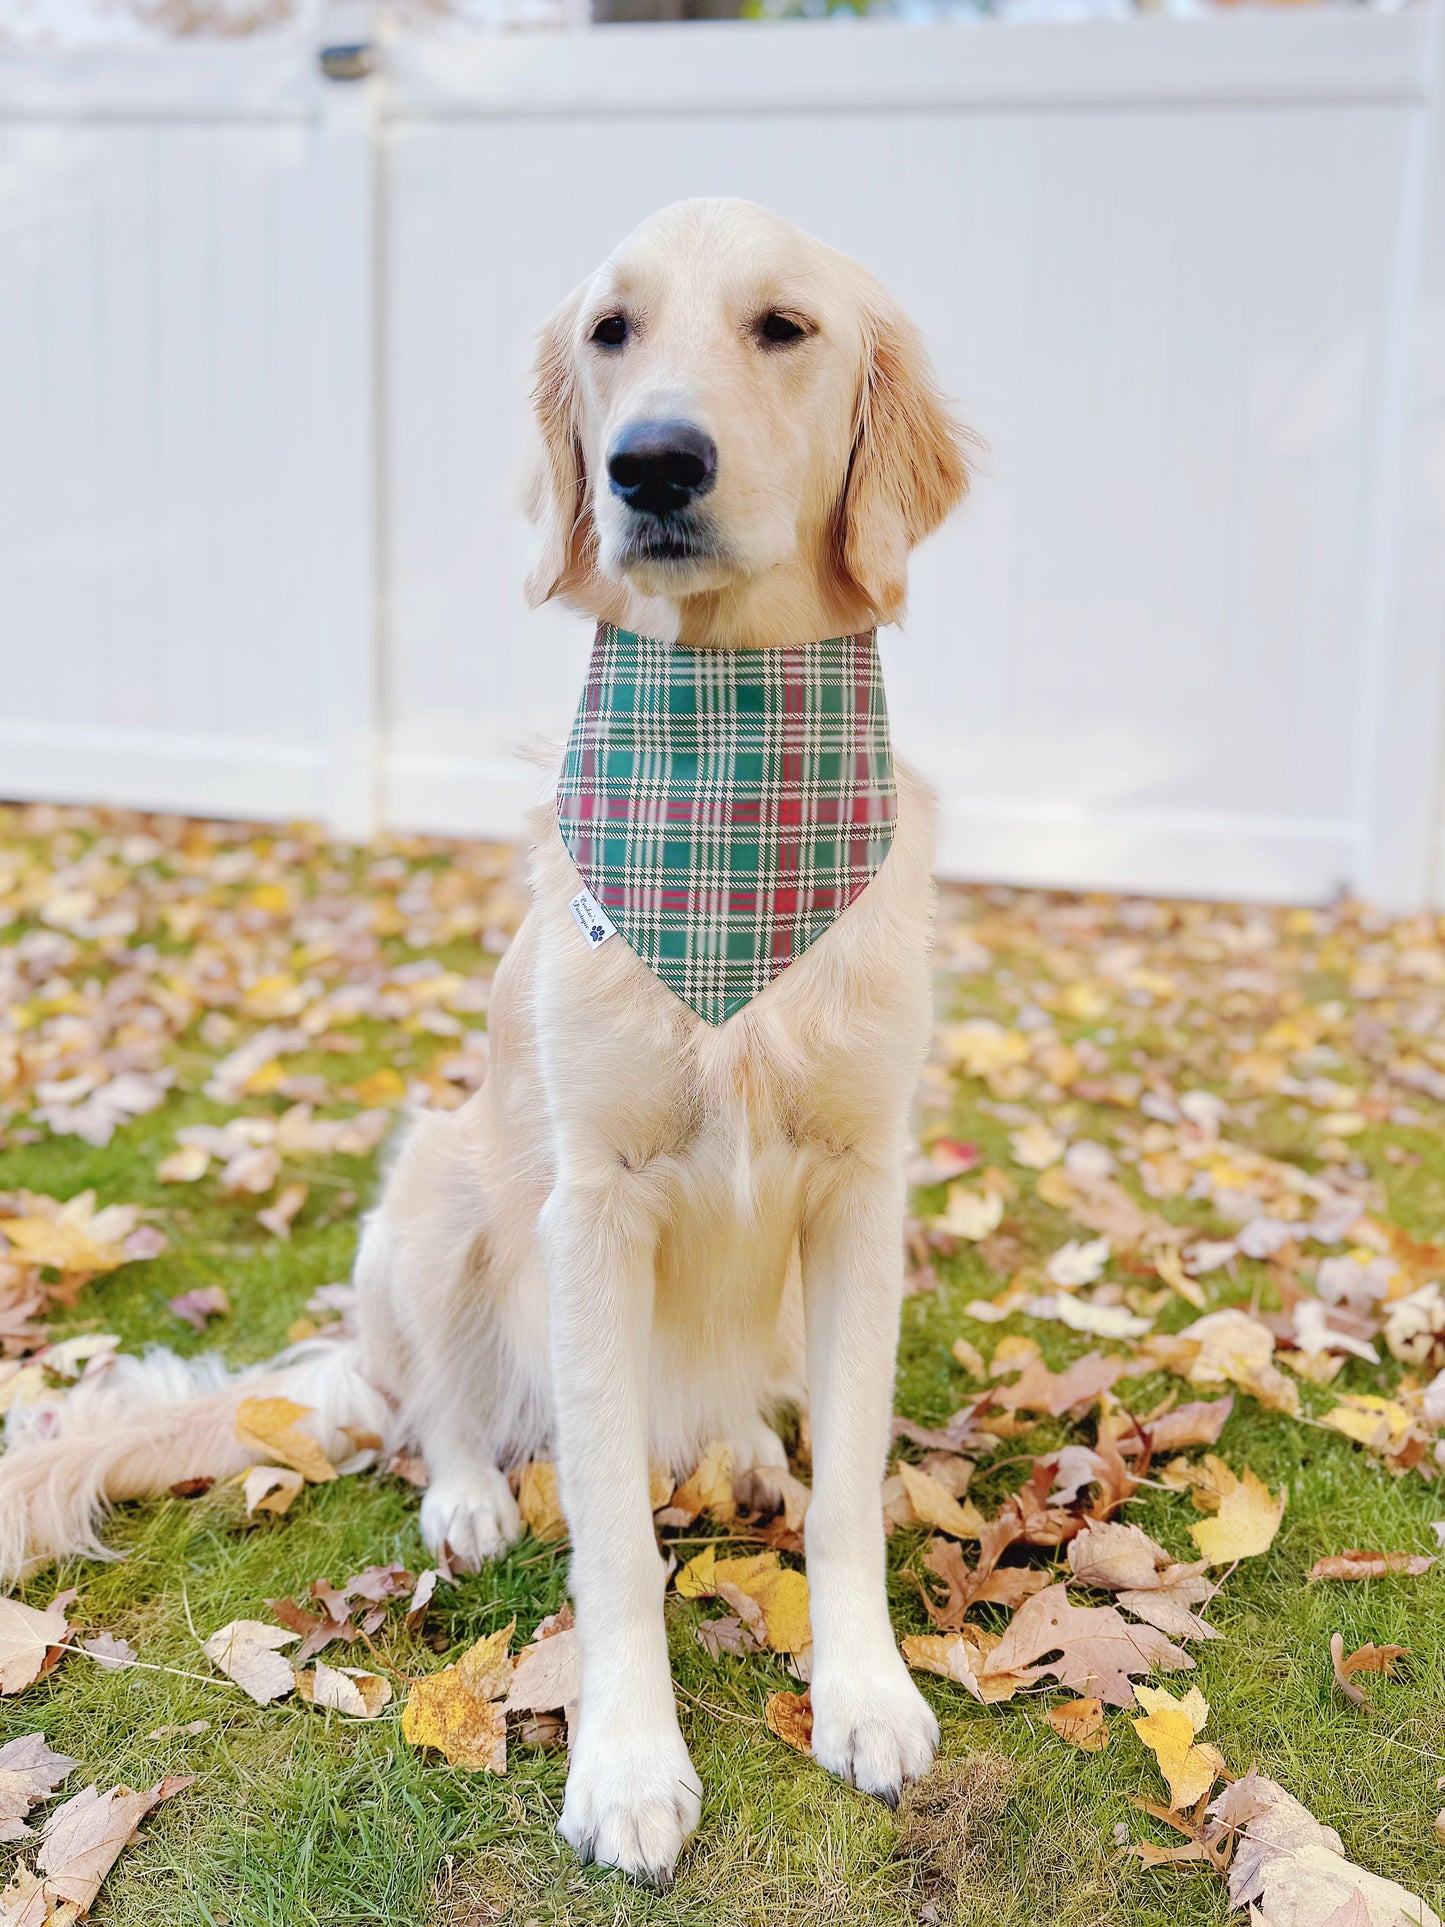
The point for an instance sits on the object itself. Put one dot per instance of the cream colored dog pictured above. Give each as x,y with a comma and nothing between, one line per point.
644,1233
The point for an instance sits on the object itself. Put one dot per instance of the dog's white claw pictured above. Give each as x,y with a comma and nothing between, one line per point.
631,1804
875,1730
472,1514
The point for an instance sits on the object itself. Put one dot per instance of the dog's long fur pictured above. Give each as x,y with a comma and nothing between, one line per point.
608,1254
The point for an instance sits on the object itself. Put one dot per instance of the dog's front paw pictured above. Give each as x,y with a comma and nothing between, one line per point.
472,1514
873,1728
631,1802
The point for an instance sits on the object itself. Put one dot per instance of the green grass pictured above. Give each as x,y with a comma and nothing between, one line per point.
300,1819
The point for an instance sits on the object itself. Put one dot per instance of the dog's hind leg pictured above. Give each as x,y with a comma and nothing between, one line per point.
444,1315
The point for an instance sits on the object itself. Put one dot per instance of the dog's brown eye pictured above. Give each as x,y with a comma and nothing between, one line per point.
611,330
778,330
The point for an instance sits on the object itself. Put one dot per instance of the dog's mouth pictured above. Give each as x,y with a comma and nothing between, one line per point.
670,541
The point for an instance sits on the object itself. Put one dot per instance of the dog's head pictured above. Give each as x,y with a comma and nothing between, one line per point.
727,400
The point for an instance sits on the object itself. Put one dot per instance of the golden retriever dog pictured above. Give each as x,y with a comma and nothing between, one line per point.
647,1231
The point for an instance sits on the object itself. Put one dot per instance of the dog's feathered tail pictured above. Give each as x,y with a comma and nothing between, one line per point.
146,1424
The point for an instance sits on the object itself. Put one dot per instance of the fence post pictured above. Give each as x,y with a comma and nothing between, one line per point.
349,650
1404,702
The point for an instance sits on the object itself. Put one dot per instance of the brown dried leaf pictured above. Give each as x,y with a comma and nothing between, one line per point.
1081,1723
1098,1650
790,1716
1364,1659
1369,1565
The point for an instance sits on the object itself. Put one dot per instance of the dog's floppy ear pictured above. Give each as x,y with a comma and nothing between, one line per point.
907,469
557,493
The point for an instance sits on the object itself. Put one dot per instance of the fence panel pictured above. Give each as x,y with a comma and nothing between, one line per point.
186,387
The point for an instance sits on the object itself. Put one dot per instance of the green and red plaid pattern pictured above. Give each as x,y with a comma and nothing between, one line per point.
725,806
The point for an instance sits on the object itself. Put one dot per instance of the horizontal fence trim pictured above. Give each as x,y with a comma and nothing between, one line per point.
1290,57
1158,853
193,775
269,78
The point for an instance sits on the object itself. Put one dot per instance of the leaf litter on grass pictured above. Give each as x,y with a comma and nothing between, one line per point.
1171,1135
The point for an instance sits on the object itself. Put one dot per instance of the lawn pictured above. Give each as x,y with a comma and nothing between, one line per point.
159,949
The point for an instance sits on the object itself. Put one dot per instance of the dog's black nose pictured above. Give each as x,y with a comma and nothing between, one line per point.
658,467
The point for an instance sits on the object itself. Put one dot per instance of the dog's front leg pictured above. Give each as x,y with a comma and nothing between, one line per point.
870,1723
632,1794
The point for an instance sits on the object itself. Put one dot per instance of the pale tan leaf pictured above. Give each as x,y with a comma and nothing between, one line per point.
247,1651
271,1488
27,1637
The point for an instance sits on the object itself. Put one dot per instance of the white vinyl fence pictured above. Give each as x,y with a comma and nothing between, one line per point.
263,366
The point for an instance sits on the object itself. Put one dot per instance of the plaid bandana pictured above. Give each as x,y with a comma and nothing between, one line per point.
725,806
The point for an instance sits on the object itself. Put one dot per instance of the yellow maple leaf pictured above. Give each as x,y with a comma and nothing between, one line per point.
934,1505
61,1245
539,1501
271,1426
1245,1521
709,1489
468,1729
981,1047
1369,1419
779,1591
386,1086
1168,1730
486,1667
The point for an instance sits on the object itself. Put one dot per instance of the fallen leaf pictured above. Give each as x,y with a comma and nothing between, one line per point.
539,1501
969,1214
1292,1872
1098,1650
107,1650
1244,1525
1168,1730
29,1772
1369,1565
344,1689
27,1640
1081,1723
1076,1263
195,1307
548,1674
1036,1147
1364,1659
790,1716
247,1651
278,1217
426,1585
963,1656
1072,1390
933,1504
271,1488
83,1840
986,1582
184,1166
709,1489
779,1592
272,1427
454,1711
